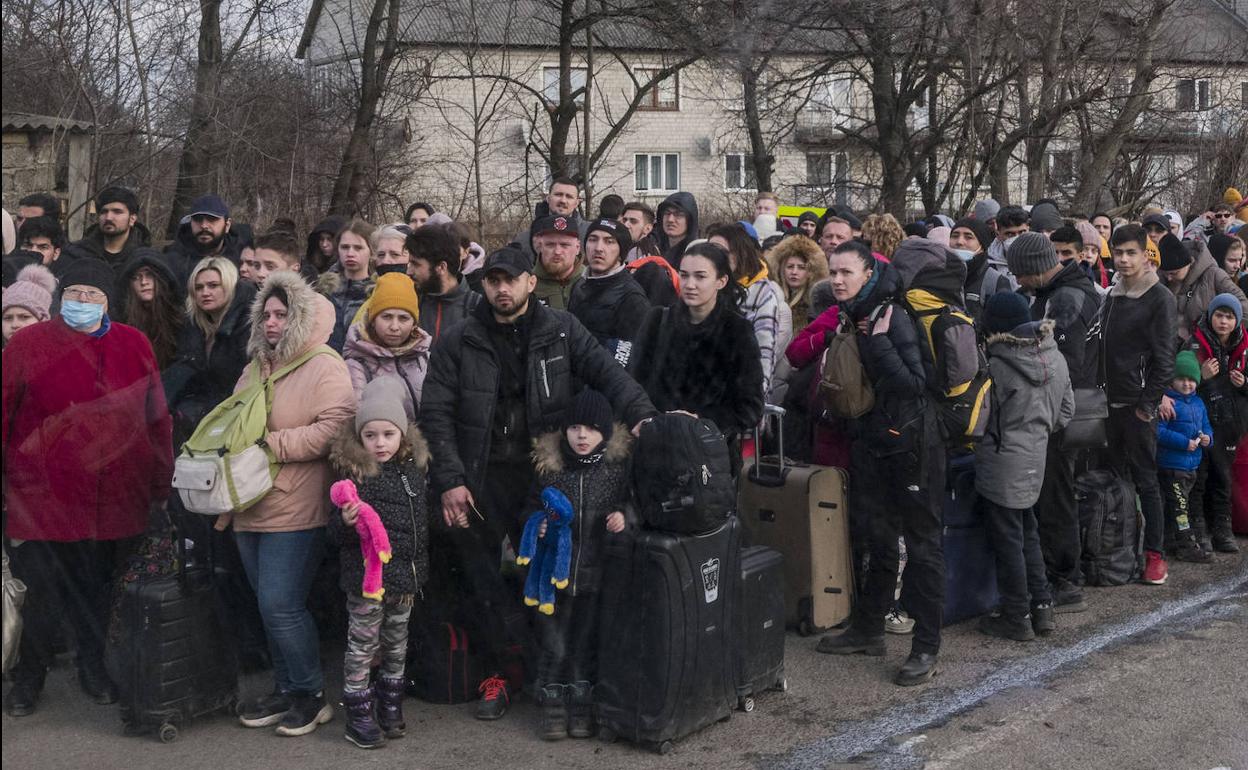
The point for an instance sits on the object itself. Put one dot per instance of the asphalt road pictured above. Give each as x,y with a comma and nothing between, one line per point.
1150,678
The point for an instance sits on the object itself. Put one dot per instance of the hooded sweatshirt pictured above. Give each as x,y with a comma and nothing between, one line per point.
93,242
1031,399
312,257
684,202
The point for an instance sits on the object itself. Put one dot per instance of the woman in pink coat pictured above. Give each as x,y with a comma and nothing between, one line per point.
387,340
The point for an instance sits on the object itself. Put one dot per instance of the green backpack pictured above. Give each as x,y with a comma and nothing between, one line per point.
225,466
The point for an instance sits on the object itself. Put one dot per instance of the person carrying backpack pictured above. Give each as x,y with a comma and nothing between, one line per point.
1031,399
281,538
897,465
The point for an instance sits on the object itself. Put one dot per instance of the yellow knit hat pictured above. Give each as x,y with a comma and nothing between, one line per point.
1154,253
1232,196
394,291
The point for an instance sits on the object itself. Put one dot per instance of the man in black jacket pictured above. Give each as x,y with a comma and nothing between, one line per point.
609,301
507,373
117,231
207,231
1065,295
678,225
433,262
1138,341
970,239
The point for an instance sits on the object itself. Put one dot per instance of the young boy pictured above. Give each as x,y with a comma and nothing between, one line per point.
1179,442
1031,399
588,462
1221,347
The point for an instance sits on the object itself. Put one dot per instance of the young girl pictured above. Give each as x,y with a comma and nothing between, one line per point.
28,300
350,281
587,461
388,340
386,456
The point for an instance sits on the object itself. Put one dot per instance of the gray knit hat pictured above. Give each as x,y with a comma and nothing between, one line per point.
986,210
385,398
1031,254
1044,218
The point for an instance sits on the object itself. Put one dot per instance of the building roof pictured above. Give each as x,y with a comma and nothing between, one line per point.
24,121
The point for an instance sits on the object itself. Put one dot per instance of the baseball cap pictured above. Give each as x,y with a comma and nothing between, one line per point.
553,224
209,205
510,259
1161,220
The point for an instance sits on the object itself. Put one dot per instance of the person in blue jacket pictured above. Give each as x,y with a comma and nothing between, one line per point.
1179,443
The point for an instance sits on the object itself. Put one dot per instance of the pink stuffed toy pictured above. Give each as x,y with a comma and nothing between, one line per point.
374,542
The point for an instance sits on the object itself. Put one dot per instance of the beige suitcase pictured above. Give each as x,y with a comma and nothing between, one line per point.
801,511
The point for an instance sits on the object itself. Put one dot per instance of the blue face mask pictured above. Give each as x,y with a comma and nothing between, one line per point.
964,254
82,316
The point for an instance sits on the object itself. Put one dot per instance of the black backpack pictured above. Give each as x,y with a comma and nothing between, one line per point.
1111,529
682,475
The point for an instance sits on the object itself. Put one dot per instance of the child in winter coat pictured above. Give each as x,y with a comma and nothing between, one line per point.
1179,442
388,340
1221,347
385,455
1031,399
588,462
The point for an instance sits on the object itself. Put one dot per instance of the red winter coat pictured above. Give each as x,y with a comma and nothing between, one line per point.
87,436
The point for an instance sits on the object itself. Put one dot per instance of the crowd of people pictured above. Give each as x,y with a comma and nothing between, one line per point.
452,386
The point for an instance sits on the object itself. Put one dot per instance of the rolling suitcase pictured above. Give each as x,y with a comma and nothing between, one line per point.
667,652
173,659
760,625
1239,489
970,566
801,511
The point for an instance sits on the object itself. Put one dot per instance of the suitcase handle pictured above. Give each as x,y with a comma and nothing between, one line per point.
775,473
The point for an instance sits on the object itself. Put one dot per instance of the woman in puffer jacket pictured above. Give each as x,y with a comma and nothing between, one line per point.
764,306
388,340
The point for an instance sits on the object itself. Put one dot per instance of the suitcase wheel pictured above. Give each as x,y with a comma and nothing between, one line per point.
746,704
805,627
168,733
606,735
664,748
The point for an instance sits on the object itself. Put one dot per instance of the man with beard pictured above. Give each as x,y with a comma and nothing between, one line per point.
609,301
561,201
205,232
117,231
434,266
559,265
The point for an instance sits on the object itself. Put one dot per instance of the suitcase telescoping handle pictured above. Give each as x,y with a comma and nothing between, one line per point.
769,473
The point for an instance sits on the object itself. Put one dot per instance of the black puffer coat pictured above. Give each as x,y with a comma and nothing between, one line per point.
93,242
396,490
896,368
462,388
198,380
612,308
1072,303
182,255
711,369
596,490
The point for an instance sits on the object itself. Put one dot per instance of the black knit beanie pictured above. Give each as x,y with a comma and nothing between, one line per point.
591,408
1174,255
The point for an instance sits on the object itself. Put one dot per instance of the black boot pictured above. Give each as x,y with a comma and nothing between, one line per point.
21,700
1004,626
851,641
362,727
1042,621
95,682
390,706
1223,536
1068,597
581,709
920,667
554,725
1187,548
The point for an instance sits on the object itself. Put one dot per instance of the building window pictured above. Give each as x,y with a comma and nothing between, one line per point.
1193,94
819,169
827,177
831,93
664,95
550,84
739,172
656,172
1062,167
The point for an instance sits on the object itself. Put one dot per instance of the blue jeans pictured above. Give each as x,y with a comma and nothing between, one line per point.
280,567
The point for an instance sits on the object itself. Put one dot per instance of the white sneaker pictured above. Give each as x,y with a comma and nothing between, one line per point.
898,622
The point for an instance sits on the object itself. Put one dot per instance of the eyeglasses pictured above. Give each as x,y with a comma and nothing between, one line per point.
83,294
1222,215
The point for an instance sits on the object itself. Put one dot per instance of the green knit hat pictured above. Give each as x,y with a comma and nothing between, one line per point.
1185,365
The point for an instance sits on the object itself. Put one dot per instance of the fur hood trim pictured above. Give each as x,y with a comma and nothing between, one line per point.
309,321
1044,330
348,457
548,456
327,283
798,246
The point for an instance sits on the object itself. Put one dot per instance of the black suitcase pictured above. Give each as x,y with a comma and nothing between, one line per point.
760,625
667,655
970,565
173,659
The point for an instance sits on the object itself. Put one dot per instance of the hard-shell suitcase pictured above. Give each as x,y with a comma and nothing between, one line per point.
173,660
667,652
801,511
970,566
760,625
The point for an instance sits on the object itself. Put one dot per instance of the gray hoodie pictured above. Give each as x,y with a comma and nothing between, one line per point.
1031,399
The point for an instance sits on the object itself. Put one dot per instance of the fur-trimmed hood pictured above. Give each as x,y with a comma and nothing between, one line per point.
804,248
349,458
548,454
1028,349
309,321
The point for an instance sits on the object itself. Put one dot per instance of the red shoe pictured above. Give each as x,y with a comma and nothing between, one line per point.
1155,570
495,698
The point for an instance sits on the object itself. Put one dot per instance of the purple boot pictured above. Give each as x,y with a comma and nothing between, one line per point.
362,729
390,706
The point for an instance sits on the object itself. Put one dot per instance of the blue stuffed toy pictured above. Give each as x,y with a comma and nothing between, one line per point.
550,555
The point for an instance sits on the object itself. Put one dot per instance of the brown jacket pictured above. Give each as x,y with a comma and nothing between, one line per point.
1204,281
310,406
